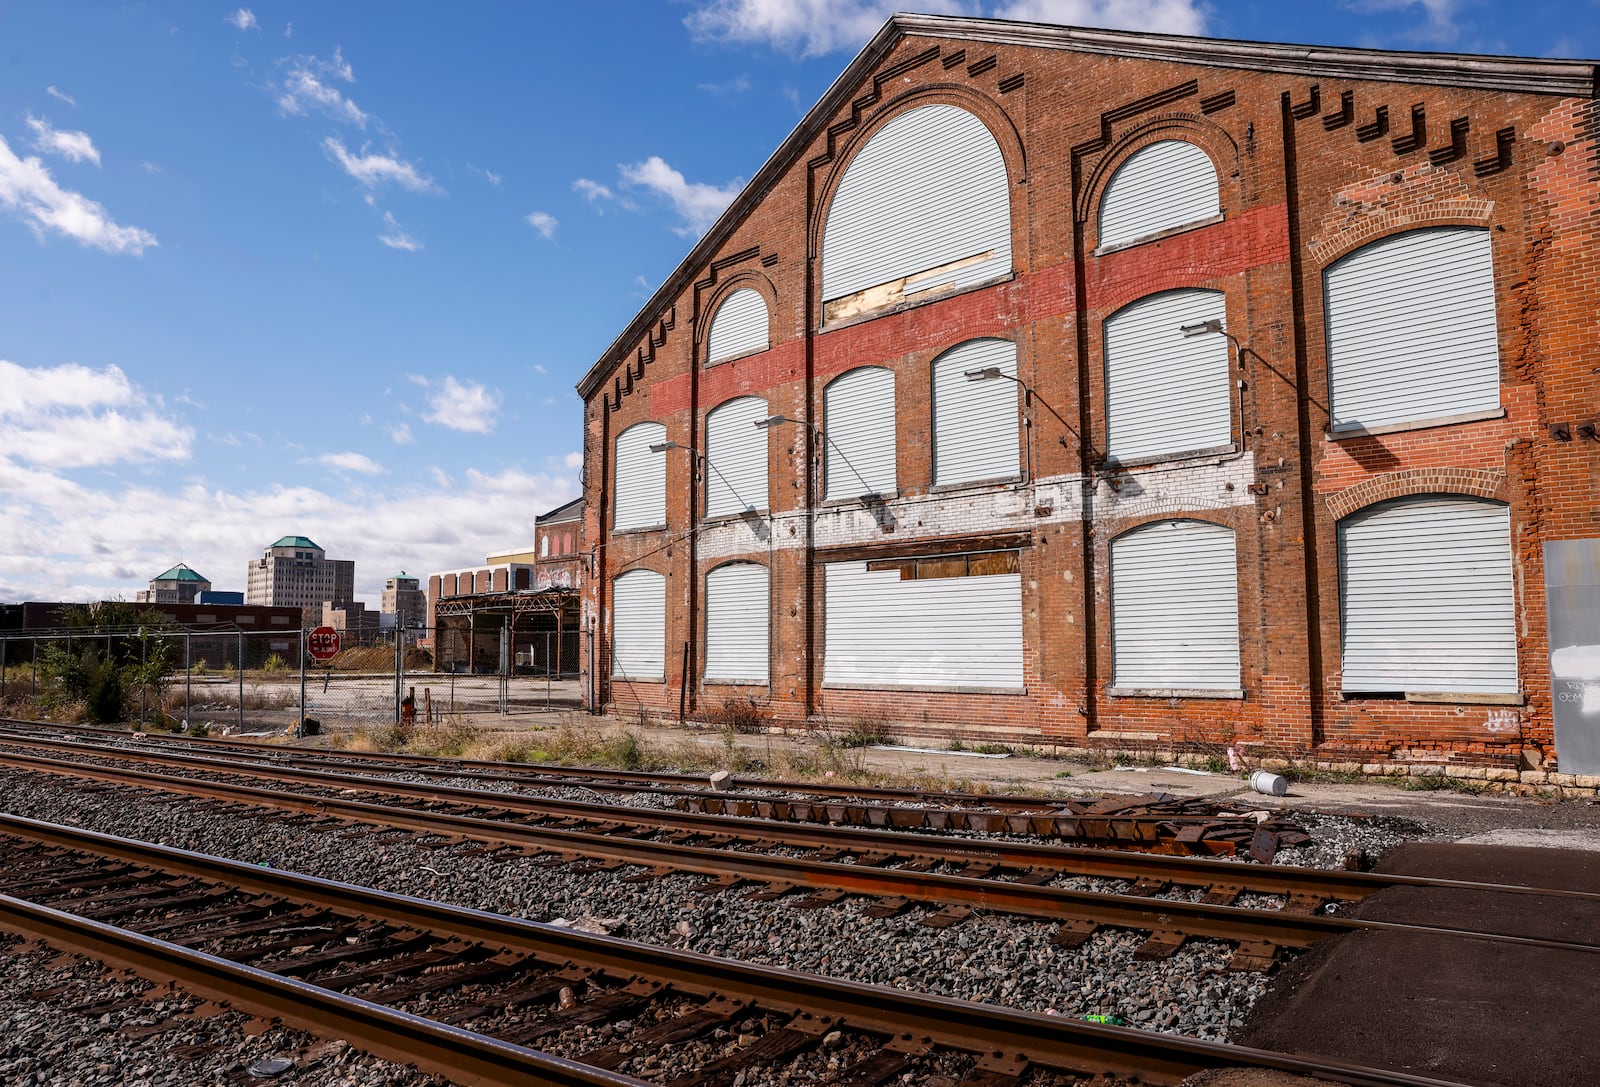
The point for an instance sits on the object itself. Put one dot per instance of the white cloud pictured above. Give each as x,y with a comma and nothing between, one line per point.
538,369
374,170
149,167
573,459
696,203
545,224
736,85
243,19
63,95
1439,25
351,462
29,192
76,146
305,88
71,416
288,29
395,238
400,434
592,190
460,405
1161,16
488,175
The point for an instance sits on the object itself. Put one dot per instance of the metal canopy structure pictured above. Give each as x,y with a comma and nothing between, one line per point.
537,602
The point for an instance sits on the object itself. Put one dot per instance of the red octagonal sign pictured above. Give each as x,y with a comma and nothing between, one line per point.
323,643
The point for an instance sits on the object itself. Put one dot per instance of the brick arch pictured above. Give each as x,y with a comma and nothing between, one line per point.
712,302
1155,517
998,122
1477,482
1190,128
1399,219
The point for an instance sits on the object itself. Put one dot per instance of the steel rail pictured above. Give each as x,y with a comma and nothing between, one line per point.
1190,919
1023,1037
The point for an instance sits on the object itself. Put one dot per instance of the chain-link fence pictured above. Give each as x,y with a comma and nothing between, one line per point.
254,682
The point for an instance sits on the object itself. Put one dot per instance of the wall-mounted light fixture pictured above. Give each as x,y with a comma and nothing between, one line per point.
779,420
1214,327
991,373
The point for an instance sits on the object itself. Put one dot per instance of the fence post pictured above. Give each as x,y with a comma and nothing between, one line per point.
399,663
33,683
505,664
3,643
241,681
188,676
301,727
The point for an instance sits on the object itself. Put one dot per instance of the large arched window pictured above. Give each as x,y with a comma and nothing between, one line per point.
925,204
739,327
1412,333
1161,187
640,499
1167,391
736,457
738,619
1175,607
1428,598
859,429
639,626
975,412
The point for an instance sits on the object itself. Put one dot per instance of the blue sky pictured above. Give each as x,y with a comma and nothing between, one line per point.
334,269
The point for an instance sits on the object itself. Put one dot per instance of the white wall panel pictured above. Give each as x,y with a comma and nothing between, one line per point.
939,632
1428,597
1160,187
1175,607
975,422
639,625
1166,392
740,327
1412,332
928,189
859,424
640,491
736,457
738,623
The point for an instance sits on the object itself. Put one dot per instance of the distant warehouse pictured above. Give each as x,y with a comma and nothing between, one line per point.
1116,389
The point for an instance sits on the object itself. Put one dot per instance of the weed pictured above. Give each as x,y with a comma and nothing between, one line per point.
742,715
994,749
1064,774
276,663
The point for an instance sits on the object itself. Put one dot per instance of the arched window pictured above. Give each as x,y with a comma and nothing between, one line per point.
544,547
974,414
1160,187
925,204
859,421
736,457
640,499
1427,597
738,619
639,625
1175,607
739,327
1412,333
1167,392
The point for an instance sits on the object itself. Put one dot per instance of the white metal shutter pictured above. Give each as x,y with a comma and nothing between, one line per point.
640,494
737,623
739,327
639,625
1411,329
928,189
1175,607
1159,187
859,429
1166,392
1428,598
736,457
975,422
939,632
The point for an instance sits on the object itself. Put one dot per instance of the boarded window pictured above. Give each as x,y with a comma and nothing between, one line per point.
1159,188
924,205
739,327
859,433
641,478
1412,333
1167,392
737,624
975,421
884,630
736,457
977,564
1175,607
639,625
1428,598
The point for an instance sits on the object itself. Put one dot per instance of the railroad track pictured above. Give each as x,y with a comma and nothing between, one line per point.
1171,899
361,964
1158,823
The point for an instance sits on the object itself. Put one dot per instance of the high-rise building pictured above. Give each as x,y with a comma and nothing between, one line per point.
404,601
295,572
179,585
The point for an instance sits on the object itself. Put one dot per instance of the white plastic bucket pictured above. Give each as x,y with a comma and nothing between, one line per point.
1268,783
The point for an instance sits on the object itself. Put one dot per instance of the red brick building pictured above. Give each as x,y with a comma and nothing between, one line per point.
1099,388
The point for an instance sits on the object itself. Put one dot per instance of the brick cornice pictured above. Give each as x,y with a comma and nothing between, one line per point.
1479,482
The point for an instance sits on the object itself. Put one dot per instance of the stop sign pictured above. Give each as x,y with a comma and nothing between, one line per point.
323,643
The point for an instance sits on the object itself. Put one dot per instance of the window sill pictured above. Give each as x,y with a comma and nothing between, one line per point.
933,295
709,682
1117,247
638,679
866,501
662,527
1113,463
975,484
1340,433
737,358
710,521
1445,698
923,687
1235,694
